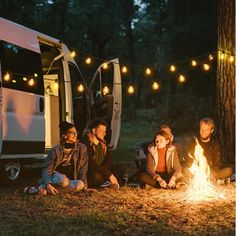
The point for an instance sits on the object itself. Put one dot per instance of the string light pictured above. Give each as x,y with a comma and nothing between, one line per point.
35,75
124,69
130,89
14,81
194,63
24,79
155,86
7,77
148,71
211,57
105,65
88,60
31,82
73,54
80,88
181,79
105,90
206,67
172,68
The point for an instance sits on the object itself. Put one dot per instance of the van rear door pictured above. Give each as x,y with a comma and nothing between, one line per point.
105,99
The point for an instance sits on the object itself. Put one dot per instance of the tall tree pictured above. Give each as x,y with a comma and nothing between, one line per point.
226,78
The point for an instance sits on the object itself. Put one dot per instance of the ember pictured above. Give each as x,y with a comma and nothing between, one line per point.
200,188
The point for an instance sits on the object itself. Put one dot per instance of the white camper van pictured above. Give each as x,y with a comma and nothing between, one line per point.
41,85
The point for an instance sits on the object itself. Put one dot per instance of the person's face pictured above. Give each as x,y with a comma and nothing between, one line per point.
161,142
205,131
100,132
168,131
71,135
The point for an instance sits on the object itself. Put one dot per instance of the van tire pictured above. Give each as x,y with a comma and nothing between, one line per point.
11,171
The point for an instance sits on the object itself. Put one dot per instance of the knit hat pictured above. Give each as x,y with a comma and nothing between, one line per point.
65,126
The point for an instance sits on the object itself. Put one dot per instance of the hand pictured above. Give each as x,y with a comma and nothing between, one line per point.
172,183
113,179
162,182
51,189
42,191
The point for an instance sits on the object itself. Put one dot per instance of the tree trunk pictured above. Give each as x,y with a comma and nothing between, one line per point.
225,80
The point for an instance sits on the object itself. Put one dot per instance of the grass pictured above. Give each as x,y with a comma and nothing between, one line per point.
128,211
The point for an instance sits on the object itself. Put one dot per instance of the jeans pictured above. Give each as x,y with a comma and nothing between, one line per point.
60,180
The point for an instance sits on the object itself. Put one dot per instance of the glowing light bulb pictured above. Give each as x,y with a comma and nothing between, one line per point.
130,89
31,82
194,63
105,90
206,67
24,79
172,68
105,65
211,57
182,79
88,60
148,71
7,77
73,54
155,86
14,81
124,69
35,75
81,88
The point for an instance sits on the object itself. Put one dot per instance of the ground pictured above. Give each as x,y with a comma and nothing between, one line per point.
127,211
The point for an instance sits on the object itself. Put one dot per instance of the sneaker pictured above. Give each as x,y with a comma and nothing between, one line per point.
31,190
108,184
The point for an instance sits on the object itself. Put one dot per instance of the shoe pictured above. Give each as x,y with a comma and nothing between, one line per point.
108,184
31,190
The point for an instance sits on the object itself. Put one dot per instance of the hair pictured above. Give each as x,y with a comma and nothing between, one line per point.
65,126
164,134
95,123
163,126
208,121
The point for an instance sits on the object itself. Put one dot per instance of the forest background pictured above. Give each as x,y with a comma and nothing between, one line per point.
142,33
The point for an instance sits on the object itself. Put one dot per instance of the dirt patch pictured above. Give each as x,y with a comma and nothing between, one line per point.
128,211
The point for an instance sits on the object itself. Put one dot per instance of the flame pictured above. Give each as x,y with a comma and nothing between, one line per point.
200,188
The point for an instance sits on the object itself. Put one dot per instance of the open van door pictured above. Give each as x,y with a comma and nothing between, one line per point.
105,99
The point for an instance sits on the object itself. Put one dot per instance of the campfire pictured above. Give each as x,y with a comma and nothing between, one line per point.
200,188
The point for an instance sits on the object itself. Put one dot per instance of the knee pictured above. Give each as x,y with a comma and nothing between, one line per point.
65,182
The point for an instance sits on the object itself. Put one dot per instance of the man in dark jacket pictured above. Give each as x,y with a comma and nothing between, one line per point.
101,171
211,150
66,163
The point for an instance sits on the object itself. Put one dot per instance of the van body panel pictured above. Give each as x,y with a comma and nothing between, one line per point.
29,118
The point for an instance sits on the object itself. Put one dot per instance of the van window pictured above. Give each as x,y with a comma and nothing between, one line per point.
21,68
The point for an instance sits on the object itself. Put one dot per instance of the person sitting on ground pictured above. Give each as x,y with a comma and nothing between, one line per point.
163,167
211,150
66,163
101,171
141,148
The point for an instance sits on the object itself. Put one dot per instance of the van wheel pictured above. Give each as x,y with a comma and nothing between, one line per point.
11,171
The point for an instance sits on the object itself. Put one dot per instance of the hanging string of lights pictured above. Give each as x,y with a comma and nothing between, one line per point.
201,61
